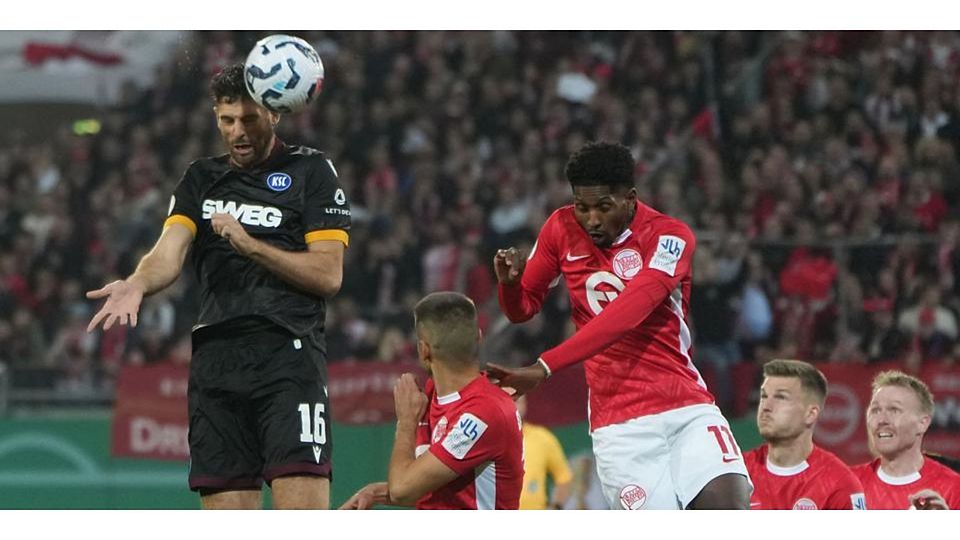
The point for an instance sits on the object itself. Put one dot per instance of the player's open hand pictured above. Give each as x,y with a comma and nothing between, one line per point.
928,499
522,380
123,303
232,231
368,496
410,403
508,264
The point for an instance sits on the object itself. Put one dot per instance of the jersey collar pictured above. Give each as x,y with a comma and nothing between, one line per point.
787,471
448,399
897,480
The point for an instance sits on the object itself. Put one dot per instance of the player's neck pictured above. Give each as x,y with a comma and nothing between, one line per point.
907,462
792,452
448,380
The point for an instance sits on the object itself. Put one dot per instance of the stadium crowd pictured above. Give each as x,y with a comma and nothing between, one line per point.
819,171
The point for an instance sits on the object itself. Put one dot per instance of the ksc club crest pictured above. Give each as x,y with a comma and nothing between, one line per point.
627,263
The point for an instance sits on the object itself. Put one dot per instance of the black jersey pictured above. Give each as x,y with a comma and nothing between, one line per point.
289,201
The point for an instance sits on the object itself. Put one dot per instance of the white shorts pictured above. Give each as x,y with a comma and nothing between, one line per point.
662,461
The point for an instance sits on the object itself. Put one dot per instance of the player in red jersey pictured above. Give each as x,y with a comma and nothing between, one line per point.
459,446
627,268
898,416
789,472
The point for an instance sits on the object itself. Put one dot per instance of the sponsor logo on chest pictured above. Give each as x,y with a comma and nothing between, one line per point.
248,214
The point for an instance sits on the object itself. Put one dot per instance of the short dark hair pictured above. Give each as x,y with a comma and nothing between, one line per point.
228,85
811,379
601,163
448,321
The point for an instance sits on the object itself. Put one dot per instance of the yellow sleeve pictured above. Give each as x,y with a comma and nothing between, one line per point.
328,234
556,460
182,220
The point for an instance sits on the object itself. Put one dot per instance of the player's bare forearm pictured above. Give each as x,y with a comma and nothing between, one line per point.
161,266
318,270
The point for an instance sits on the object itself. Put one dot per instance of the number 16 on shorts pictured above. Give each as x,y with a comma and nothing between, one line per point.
315,432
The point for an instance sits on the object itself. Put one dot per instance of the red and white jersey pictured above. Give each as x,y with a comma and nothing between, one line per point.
821,482
885,492
629,303
476,432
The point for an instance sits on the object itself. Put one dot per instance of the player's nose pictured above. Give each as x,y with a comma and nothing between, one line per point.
593,220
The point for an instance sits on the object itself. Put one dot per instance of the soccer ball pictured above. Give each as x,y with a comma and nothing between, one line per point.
283,73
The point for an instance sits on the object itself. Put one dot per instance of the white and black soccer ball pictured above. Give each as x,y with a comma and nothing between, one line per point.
283,73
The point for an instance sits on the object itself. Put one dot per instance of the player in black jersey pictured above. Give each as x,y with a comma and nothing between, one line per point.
268,226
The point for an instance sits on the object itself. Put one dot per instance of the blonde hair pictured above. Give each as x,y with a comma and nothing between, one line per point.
901,379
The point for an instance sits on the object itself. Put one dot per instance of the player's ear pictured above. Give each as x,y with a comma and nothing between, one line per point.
924,423
423,350
813,414
274,118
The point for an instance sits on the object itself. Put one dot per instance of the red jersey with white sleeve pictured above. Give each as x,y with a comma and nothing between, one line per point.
885,492
821,482
629,303
476,432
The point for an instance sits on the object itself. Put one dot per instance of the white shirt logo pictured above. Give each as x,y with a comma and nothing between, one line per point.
464,435
339,197
669,250
248,214
594,293
572,258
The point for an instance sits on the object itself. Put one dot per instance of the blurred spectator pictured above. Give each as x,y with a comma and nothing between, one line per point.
714,301
931,326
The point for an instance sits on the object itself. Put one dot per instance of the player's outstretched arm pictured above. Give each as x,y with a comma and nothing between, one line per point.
319,270
522,379
156,271
928,499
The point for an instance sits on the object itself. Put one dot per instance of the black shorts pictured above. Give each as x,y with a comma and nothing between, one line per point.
258,409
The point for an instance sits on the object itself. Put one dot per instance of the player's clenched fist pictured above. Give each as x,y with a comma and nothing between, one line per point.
232,231
409,401
508,264
928,499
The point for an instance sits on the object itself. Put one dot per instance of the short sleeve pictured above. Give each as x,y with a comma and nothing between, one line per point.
185,201
326,213
475,438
